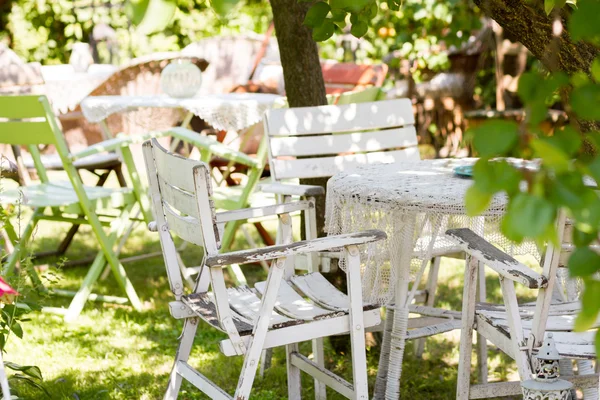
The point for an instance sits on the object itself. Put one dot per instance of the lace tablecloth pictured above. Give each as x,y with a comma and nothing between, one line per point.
228,112
66,88
414,203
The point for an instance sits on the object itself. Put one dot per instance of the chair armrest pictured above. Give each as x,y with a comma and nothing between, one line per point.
292,190
302,247
256,212
118,142
496,259
215,147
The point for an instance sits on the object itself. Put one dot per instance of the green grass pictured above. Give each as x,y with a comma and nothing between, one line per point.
113,352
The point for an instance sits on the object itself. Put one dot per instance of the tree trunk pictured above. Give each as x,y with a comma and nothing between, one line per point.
527,22
304,85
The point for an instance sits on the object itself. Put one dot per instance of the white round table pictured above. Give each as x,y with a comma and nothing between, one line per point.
227,112
414,203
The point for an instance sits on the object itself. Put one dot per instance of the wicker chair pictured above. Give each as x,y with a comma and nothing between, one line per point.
140,77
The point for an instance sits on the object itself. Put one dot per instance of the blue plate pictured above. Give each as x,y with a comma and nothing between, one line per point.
465,171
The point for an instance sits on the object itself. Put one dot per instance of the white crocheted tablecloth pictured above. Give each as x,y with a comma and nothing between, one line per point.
66,88
228,112
414,203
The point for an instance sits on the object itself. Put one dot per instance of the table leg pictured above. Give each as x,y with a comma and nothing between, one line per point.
384,357
401,245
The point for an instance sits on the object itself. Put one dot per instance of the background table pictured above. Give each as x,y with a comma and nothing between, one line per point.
414,203
66,88
228,112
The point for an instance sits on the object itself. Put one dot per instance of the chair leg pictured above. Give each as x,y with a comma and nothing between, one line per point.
466,335
294,378
85,289
319,359
183,354
482,365
586,367
434,270
357,327
261,328
265,361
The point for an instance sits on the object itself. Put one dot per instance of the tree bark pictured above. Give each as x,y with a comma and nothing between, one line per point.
304,85
527,22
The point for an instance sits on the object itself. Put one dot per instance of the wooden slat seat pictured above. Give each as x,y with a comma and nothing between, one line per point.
245,306
570,344
59,194
290,303
52,162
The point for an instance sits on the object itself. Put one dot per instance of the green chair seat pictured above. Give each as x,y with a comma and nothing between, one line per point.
61,194
52,162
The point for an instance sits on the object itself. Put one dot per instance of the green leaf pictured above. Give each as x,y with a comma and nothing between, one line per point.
527,216
594,168
224,7
551,155
496,176
581,238
359,29
324,31
29,381
548,6
354,6
584,262
588,215
583,24
29,370
590,305
150,16
17,330
566,190
315,16
476,201
338,15
568,139
495,138
585,100
595,69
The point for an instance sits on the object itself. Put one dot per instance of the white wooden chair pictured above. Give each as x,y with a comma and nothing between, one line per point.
318,142
274,313
518,330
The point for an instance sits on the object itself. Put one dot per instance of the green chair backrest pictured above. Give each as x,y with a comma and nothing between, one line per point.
29,121
373,93
367,95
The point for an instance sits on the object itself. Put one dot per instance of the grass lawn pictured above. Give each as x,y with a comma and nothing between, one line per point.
113,352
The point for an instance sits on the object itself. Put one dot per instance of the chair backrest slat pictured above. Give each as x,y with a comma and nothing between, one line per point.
344,143
337,119
317,142
178,199
26,133
186,227
329,166
173,170
21,107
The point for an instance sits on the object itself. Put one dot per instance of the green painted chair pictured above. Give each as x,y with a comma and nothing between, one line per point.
29,121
